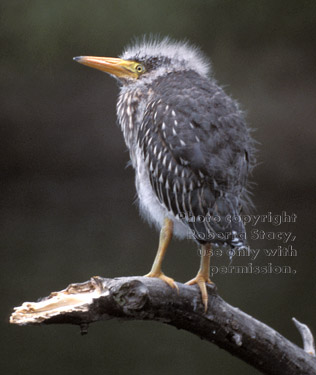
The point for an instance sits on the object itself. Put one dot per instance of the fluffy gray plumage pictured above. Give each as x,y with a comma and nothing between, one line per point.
188,142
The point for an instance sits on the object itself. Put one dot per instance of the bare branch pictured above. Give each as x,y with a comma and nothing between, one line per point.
307,336
145,298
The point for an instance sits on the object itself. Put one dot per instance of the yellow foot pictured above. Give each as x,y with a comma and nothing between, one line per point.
201,282
163,277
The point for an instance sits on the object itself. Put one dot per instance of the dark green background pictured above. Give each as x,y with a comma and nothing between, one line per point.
67,209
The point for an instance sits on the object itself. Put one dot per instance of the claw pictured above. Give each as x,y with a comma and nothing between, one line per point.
201,282
203,276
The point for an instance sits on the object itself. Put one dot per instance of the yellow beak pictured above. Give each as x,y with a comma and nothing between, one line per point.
118,67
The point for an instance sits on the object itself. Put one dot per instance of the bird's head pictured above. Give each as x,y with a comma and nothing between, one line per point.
149,59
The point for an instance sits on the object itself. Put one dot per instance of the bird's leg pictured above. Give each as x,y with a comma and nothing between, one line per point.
164,240
203,276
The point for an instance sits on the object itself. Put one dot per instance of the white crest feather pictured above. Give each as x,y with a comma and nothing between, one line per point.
182,55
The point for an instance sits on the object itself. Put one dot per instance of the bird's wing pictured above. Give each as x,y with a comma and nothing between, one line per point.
194,167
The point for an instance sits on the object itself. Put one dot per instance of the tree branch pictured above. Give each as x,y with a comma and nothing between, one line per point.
307,337
145,298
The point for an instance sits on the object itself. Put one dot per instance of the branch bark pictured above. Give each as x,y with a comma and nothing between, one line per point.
145,298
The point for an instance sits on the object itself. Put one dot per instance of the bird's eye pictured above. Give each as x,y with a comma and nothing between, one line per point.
140,68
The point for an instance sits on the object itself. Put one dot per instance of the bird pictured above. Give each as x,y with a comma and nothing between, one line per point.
189,145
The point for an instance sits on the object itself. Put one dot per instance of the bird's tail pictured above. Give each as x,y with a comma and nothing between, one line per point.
228,209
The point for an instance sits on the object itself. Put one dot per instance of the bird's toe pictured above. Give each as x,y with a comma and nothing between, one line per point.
164,278
201,281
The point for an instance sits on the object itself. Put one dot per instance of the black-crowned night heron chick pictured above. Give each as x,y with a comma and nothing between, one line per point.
189,146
